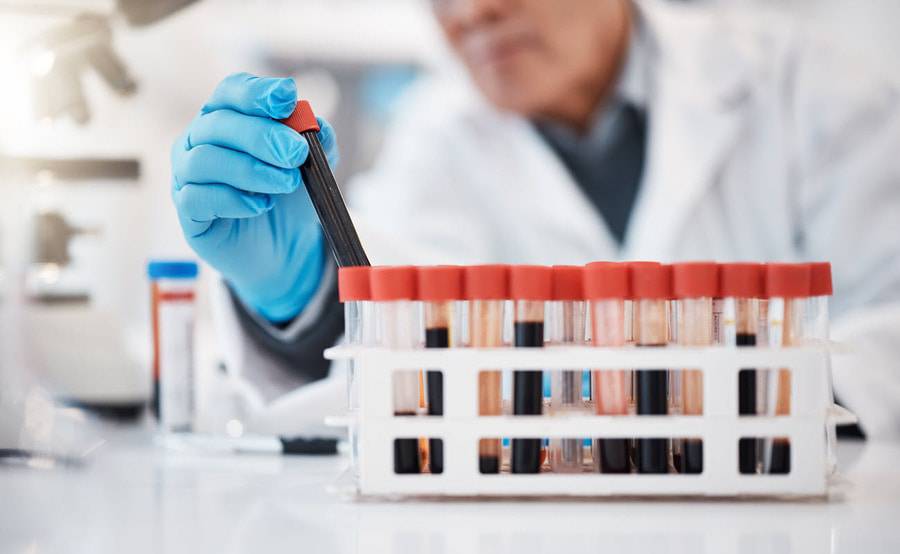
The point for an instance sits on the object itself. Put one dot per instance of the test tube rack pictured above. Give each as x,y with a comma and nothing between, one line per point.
720,426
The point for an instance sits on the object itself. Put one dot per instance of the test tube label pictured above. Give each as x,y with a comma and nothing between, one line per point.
176,368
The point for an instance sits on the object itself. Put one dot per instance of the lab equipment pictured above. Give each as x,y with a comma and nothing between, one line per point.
787,288
651,288
394,291
713,424
239,195
741,286
568,326
324,192
486,289
440,289
606,285
355,292
172,286
529,286
695,285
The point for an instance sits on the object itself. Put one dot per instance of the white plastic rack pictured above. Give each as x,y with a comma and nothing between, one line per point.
720,427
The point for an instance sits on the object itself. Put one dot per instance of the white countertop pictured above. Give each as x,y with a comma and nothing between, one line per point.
136,497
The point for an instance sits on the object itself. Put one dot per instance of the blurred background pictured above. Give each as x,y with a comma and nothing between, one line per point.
93,94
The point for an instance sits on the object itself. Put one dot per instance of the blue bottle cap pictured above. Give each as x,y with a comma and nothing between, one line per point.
172,269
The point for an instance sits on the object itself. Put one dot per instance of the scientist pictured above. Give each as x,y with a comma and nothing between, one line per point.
586,130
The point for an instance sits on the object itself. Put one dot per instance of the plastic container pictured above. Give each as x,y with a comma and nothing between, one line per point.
173,287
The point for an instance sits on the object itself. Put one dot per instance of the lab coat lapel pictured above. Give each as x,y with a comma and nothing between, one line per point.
696,107
559,204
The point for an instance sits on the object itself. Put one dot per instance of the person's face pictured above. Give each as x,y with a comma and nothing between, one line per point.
530,56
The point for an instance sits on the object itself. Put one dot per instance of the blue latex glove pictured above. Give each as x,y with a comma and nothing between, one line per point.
240,198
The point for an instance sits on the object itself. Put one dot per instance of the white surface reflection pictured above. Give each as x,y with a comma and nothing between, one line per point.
139,498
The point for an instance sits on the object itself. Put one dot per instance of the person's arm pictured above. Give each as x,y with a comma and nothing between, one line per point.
848,166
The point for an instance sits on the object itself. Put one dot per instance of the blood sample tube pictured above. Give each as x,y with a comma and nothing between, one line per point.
606,286
651,288
355,292
741,286
820,288
440,289
787,287
530,286
324,192
399,326
486,289
567,327
172,285
695,285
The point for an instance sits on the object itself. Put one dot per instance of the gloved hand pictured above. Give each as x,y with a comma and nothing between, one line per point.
240,198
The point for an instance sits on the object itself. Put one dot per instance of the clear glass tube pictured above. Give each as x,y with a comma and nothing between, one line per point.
785,328
486,331
528,387
567,328
740,328
400,326
817,323
611,387
651,385
695,328
355,321
441,331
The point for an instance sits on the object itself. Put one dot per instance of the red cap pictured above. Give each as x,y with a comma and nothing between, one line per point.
606,280
302,119
440,283
820,279
568,282
353,283
531,282
486,282
393,283
695,279
742,280
650,280
787,280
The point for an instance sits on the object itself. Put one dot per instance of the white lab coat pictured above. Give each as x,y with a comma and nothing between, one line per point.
762,145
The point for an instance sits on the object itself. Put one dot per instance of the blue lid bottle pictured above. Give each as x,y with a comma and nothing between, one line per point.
172,269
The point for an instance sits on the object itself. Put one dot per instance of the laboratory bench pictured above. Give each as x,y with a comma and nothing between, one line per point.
131,495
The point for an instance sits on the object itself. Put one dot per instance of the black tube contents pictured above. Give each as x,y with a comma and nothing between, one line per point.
691,456
652,385
528,399
613,454
748,448
406,454
488,464
436,338
781,457
330,206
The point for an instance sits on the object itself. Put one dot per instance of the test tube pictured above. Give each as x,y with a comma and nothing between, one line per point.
568,327
820,289
787,287
172,285
487,289
530,286
606,285
399,326
695,284
742,285
651,288
440,289
355,292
